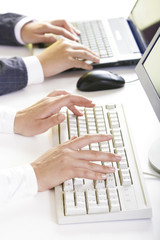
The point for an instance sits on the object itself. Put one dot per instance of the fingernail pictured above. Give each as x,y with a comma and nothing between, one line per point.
109,136
97,59
111,169
76,38
78,31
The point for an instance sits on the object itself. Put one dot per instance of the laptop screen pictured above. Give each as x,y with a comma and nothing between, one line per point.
145,18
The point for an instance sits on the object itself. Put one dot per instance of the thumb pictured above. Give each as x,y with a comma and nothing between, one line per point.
52,121
48,38
56,119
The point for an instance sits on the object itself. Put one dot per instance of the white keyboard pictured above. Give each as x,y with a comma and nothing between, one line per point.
122,195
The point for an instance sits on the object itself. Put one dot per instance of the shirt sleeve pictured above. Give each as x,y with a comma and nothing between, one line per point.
18,27
34,70
33,66
7,116
17,183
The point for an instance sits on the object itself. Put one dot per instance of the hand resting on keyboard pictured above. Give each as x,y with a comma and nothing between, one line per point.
66,161
45,114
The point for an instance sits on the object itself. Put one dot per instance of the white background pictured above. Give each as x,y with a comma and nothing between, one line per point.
69,9
35,218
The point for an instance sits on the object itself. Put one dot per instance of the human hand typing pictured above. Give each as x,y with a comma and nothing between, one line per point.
65,54
43,32
66,161
45,114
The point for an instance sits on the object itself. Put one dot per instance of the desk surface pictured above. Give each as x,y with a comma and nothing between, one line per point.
35,218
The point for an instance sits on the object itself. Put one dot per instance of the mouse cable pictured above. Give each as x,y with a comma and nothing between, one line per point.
152,174
135,80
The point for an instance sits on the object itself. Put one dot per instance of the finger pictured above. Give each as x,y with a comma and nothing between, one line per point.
73,30
47,38
65,24
58,92
85,54
51,106
88,174
75,111
78,46
51,121
81,64
95,167
74,137
62,31
76,30
70,28
70,100
90,155
88,139
68,141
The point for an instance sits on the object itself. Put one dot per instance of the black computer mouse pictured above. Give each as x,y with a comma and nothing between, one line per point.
99,80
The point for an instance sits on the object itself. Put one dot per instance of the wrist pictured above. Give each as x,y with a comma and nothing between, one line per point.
43,63
22,124
18,28
17,123
39,175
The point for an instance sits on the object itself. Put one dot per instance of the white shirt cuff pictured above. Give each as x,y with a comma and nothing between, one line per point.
18,27
17,183
34,70
7,116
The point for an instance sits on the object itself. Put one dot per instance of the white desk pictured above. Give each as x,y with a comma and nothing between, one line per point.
35,218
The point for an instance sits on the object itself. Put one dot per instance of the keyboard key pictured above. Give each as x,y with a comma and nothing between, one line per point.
70,207
113,200
125,177
110,181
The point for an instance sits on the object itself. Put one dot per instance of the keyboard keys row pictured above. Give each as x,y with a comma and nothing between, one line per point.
94,37
91,201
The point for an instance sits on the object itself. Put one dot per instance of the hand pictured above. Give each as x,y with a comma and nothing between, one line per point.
66,161
45,114
63,55
42,32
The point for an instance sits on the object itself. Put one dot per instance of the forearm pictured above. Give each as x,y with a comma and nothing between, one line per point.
17,73
7,31
13,75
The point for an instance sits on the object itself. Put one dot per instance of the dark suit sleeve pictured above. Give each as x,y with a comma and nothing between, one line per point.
7,24
13,75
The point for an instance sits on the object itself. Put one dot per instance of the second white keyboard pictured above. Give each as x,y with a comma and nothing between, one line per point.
122,195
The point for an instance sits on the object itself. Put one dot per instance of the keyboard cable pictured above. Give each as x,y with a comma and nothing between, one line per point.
152,174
